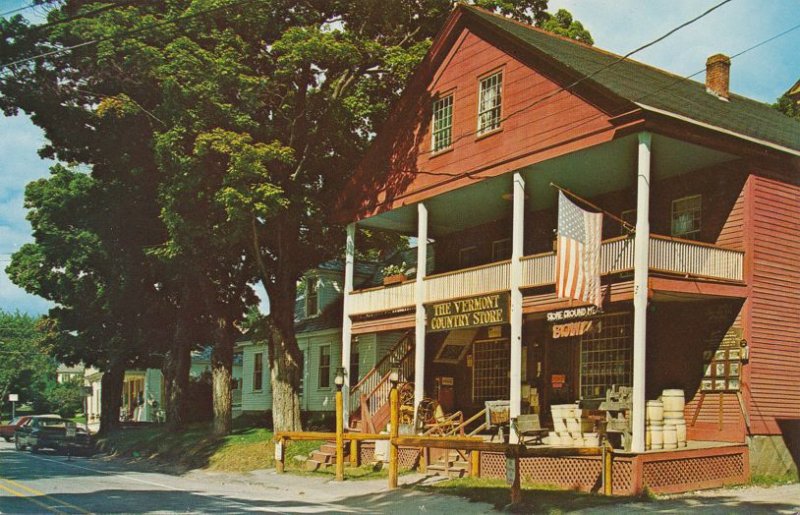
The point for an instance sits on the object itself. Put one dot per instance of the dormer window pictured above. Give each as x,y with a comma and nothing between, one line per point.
490,103
312,297
442,123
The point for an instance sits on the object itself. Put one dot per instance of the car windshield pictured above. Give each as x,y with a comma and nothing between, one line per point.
51,422
14,421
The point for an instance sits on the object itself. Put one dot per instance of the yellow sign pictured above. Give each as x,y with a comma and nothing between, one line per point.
571,329
479,311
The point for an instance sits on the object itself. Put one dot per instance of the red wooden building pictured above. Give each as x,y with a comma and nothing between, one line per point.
701,295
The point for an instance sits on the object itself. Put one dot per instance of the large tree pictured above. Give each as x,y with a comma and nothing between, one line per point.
254,114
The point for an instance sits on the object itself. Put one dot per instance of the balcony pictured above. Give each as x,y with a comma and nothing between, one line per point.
667,256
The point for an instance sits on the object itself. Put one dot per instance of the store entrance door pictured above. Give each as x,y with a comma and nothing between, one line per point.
561,371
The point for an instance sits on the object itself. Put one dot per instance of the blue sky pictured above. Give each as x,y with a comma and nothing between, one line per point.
618,26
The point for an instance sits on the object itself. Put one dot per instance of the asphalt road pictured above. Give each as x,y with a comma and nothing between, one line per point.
48,483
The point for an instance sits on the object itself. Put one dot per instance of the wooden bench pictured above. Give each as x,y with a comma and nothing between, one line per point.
530,430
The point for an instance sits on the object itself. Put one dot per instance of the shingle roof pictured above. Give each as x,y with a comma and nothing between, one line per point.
649,86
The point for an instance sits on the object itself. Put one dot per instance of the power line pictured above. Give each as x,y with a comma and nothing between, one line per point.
127,33
20,9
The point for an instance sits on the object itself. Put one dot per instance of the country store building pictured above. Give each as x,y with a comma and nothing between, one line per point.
700,287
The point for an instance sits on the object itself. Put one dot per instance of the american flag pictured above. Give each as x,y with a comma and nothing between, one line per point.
578,253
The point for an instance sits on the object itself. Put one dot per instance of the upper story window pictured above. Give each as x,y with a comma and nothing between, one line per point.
442,133
489,103
258,371
501,249
312,297
686,217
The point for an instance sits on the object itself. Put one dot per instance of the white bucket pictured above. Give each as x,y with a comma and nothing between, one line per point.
673,403
670,437
656,437
591,439
680,432
654,413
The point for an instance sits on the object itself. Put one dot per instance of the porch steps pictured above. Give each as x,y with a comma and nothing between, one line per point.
450,465
325,457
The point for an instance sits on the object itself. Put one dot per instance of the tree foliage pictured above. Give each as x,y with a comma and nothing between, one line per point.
25,367
226,129
788,106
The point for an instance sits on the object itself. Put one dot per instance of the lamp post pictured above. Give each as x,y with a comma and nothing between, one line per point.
339,382
394,377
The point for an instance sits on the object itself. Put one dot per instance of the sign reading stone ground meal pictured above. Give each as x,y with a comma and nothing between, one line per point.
478,311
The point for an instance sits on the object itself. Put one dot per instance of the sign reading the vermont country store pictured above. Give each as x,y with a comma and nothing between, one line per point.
478,311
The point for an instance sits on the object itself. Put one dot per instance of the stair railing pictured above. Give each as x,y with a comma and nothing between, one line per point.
372,379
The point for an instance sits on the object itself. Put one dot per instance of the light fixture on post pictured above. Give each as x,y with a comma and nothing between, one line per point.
338,379
394,373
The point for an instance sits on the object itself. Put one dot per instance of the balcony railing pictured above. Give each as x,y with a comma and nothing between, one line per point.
667,255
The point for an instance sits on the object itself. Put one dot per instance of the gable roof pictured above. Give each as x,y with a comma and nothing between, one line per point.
648,87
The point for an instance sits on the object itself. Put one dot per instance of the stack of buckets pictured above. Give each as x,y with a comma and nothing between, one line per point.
666,426
570,430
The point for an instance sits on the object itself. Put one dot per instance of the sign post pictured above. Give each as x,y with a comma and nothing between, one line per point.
71,431
13,397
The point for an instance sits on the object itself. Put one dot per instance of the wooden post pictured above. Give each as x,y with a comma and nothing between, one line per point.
339,437
512,468
475,464
280,453
393,432
423,460
608,483
354,450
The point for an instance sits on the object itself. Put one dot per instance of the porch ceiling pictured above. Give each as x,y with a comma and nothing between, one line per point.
589,172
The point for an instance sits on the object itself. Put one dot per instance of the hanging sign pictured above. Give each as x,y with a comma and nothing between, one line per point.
572,329
13,397
278,451
478,311
573,313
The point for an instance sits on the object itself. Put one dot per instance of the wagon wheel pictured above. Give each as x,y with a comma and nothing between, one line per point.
425,411
406,399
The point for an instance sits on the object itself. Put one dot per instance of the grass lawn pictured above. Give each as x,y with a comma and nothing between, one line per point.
535,498
248,448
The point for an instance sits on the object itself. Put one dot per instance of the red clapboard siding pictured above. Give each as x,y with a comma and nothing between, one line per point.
774,388
415,173
732,233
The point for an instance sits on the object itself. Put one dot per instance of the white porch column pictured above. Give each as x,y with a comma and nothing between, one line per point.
419,301
347,323
640,286
517,249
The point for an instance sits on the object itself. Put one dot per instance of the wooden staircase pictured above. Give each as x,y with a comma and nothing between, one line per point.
369,399
452,464
325,457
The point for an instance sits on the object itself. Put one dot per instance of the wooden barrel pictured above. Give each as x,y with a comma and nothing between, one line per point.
673,404
656,437
654,413
680,431
670,436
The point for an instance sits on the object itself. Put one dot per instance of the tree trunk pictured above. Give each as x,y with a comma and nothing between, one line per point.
221,374
111,397
286,367
177,363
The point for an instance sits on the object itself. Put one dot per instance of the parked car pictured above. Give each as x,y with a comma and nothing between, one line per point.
50,432
7,431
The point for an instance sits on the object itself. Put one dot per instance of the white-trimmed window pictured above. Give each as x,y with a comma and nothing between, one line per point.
501,249
686,217
258,371
312,297
442,123
490,103
324,378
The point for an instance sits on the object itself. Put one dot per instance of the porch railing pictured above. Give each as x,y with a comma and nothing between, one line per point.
667,255
397,354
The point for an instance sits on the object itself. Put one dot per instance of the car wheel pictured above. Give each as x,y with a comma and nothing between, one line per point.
7,439
18,445
34,449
